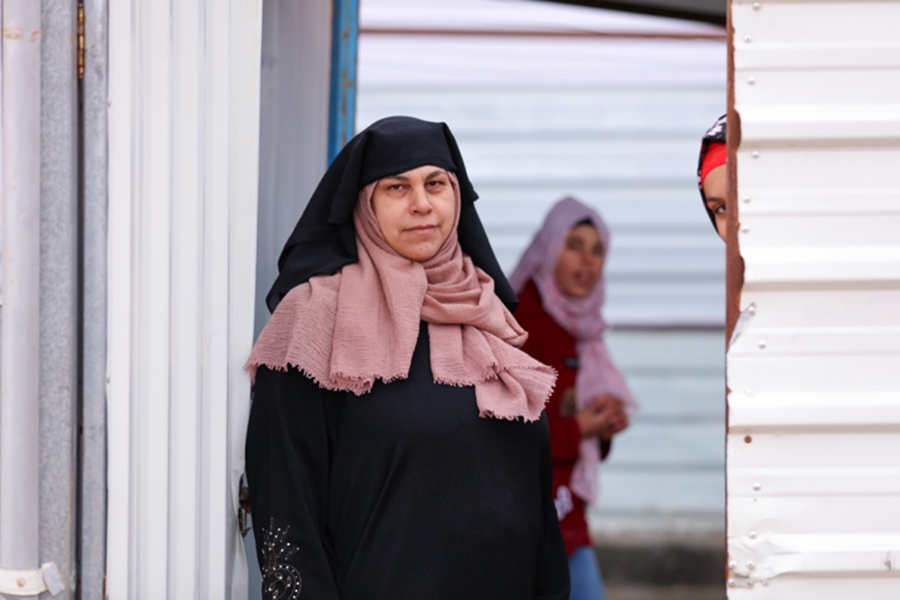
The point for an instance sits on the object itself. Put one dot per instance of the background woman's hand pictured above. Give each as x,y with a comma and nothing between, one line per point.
603,417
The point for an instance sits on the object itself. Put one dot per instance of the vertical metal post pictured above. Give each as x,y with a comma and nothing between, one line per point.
92,532
58,297
344,43
19,341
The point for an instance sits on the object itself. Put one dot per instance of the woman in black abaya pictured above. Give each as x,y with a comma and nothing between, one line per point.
397,446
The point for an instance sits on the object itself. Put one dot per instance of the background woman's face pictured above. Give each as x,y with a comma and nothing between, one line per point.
581,261
416,211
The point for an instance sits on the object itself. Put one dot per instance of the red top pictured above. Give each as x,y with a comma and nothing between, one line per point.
553,346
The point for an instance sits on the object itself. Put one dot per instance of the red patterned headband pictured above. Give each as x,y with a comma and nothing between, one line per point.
715,157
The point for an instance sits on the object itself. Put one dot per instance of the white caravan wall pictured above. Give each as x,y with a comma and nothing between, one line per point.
814,378
183,143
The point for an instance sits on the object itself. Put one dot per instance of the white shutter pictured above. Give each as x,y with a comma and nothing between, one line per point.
814,377
183,135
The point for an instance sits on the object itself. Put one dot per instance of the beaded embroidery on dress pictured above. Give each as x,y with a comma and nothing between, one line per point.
280,579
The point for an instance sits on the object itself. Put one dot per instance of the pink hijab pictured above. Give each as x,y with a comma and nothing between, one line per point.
581,318
346,330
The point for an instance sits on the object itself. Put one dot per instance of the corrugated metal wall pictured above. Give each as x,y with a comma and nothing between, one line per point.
183,139
814,421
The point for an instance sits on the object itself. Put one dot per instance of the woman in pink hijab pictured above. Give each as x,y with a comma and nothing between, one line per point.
559,280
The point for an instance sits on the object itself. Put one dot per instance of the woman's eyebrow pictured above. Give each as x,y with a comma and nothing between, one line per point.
404,178
399,177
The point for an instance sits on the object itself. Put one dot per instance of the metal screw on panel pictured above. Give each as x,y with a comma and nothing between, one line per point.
751,81
750,565
755,154
752,535
746,199
748,39
21,582
745,229
751,309
766,582
751,392
732,565
757,6
757,487
762,345
731,582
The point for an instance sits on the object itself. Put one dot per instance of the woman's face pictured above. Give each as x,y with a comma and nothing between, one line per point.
715,188
581,261
416,211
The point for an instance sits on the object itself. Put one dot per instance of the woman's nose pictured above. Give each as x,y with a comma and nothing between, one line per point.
420,202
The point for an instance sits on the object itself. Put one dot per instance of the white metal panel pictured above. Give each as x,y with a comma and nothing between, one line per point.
21,252
814,403
184,114
675,443
524,14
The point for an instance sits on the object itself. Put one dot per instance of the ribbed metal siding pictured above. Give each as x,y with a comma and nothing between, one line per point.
814,378
183,142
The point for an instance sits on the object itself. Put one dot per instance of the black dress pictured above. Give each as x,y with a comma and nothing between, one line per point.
402,493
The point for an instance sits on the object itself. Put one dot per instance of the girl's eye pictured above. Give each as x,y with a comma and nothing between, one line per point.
719,210
598,250
573,245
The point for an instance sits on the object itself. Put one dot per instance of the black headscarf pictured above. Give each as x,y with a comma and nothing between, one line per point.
324,239
713,135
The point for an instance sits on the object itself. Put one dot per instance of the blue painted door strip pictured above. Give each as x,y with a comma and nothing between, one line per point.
342,102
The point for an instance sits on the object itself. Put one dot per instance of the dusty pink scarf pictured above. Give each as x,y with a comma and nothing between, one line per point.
345,331
581,318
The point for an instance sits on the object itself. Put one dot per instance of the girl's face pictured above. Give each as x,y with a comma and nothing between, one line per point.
416,211
715,188
581,261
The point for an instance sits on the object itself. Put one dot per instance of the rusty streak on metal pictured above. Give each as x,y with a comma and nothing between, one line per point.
541,33
81,41
12,32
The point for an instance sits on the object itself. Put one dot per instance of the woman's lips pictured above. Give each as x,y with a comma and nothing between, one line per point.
423,229
584,279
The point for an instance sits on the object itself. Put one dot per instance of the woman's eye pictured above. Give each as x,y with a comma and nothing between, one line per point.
598,250
719,210
436,183
395,187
